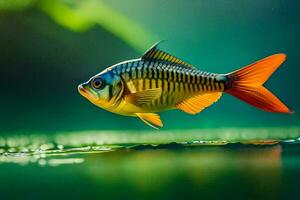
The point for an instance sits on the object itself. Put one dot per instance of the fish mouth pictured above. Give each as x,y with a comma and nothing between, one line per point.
81,90
85,92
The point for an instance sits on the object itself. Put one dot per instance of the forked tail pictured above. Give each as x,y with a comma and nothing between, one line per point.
247,84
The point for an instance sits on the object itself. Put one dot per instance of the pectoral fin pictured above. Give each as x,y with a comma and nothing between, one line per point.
150,119
145,96
197,103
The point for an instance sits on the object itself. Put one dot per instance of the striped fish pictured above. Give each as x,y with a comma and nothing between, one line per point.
159,81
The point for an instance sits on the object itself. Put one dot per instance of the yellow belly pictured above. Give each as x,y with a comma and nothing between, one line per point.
129,109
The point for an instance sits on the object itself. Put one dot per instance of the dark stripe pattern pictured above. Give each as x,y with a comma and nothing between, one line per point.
174,79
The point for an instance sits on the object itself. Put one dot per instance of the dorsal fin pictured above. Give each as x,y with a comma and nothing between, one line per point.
157,54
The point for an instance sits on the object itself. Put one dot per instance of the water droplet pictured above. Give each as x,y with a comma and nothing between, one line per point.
42,162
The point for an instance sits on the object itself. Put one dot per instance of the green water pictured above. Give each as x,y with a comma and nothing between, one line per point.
50,46
56,145
216,163
166,172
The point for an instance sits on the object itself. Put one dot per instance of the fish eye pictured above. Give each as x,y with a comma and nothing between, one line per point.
97,83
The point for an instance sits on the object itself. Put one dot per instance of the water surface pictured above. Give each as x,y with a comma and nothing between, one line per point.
237,163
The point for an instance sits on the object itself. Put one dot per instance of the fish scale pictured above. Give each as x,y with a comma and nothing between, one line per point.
154,74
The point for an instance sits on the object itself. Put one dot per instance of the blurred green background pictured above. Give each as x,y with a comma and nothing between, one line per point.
48,47
54,144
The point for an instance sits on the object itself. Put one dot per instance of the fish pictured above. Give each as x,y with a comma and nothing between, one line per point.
159,81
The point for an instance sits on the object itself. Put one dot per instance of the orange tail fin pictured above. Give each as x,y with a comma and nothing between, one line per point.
247,84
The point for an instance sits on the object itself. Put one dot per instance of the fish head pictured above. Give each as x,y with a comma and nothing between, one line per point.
103,89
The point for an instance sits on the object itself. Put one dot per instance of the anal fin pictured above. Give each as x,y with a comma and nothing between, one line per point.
151,119
197,103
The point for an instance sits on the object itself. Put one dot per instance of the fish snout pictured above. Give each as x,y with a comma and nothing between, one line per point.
85,90
82,89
